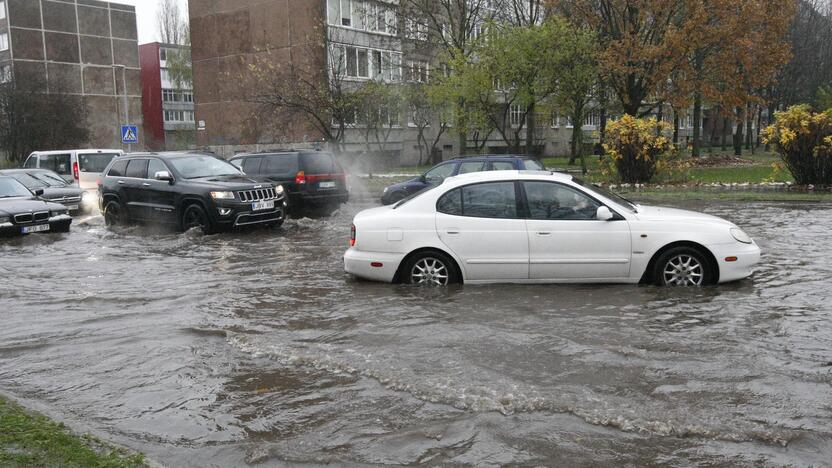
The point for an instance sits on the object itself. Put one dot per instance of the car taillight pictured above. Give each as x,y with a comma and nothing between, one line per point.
75,170
300,178
352,236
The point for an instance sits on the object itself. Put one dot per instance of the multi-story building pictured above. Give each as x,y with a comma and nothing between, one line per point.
86,48
167,103
350,41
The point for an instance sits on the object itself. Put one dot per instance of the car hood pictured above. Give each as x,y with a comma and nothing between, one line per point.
231,182
660,213
405,184
61,192
13,206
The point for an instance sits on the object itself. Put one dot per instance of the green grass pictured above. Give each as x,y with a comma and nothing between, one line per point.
673,194
30,439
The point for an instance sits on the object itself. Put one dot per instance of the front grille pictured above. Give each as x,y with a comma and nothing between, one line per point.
41,216
24,218
257,195
67,200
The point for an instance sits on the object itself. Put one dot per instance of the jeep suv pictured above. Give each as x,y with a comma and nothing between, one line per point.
186,190
313,179
452,167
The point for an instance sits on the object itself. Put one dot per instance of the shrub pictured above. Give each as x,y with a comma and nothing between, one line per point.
636,146
804,141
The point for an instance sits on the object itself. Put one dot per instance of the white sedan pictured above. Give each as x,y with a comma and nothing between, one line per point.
542,227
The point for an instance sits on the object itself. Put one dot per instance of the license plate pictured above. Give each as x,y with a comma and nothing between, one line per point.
38,228
262,205
72,207
326,185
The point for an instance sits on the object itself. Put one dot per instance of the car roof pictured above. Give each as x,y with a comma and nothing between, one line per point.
492,156
277,153
170,154
17,171
86,151
488,176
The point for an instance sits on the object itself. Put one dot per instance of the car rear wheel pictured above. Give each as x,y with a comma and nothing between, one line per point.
430,269
113,214
683,266
195,217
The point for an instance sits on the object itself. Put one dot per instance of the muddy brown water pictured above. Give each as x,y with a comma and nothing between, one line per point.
255,348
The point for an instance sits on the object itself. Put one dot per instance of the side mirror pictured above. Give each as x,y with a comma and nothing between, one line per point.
163,175
603,214
38,192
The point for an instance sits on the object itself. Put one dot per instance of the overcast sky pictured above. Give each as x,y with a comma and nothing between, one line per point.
146,17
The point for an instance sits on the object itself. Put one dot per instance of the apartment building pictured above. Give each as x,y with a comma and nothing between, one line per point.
86,48
167,103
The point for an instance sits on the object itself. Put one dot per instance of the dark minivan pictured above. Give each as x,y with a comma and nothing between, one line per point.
314,180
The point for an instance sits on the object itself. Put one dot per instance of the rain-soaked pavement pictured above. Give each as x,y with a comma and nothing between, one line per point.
255,348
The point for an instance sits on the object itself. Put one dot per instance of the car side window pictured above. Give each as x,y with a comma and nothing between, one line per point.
450,203
285,166
502,166
533,165
252,165
472,166
59,163
552,201
31,162
154,166
118,169
490,200
136,168
439,173
238,163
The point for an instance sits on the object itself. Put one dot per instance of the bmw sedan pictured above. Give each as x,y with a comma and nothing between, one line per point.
542,227
22,212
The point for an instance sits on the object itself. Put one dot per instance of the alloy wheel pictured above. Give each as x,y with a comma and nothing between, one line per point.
684,270
429,271
194,219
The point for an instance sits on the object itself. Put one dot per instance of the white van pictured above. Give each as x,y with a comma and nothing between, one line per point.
80,168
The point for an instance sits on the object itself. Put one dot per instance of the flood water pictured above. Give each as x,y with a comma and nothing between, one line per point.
255,348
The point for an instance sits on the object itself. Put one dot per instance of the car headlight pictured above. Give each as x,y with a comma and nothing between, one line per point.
60,212
386,189
741,236
222,195
279,189
4,219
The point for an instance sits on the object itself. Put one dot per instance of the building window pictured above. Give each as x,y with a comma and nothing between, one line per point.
187,97
516,115
367,63
2,10
5,73
179,116
163,54
4,41
416,30
168,95
365,15
418,71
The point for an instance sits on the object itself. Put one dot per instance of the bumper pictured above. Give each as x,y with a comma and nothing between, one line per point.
56,224
747,256
334,198
227,215
360,264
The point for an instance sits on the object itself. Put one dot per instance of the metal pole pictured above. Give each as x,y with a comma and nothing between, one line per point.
126,101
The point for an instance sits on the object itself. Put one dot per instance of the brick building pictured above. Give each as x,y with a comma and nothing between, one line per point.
167,106
86,48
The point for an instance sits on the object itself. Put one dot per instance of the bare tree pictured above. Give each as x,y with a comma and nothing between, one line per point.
173,28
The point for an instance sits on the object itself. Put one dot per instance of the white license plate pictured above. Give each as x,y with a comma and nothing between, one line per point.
72,207
326,185
38,228
262,205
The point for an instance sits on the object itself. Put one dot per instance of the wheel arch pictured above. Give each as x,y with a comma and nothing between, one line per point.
397,276
647,276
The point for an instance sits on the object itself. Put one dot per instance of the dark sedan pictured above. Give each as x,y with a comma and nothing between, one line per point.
21,212
55,189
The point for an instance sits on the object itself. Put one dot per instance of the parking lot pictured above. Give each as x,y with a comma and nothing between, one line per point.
254,347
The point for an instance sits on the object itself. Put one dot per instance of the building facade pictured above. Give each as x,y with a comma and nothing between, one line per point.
352,42
86,48
167,104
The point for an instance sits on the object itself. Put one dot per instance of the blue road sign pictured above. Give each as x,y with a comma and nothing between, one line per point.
129,134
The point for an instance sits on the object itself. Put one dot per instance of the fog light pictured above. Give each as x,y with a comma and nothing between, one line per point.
225,211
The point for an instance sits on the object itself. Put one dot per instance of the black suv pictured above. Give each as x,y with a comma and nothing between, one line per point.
313,179
452,167
186,190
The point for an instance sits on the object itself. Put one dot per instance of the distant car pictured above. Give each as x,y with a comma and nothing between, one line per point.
542,227
21,212
187,190
79,168
54,188
453,167
314,180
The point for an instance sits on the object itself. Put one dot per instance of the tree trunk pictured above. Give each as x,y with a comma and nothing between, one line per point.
697,125
530,129
770,120
462,141
575,149
749,127
725,128
602,129
738,139
675,127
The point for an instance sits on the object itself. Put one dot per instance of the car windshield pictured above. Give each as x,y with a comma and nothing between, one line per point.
319,163
196,167
29,181
608,194
52,180
94,162
10,188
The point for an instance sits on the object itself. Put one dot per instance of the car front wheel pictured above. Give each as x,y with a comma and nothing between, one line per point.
113,214
684,266
195,217
430,269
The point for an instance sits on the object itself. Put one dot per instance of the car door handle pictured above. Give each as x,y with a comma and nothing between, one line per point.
121,182
145,184
452,232
544,233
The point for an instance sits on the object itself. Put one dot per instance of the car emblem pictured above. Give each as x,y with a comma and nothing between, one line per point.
258,186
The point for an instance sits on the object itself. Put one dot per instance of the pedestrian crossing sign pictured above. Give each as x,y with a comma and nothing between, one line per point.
129,134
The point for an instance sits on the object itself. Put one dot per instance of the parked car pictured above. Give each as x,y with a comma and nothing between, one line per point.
79,168
542,227
187,190
54,189
453,167
22,212
314,180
